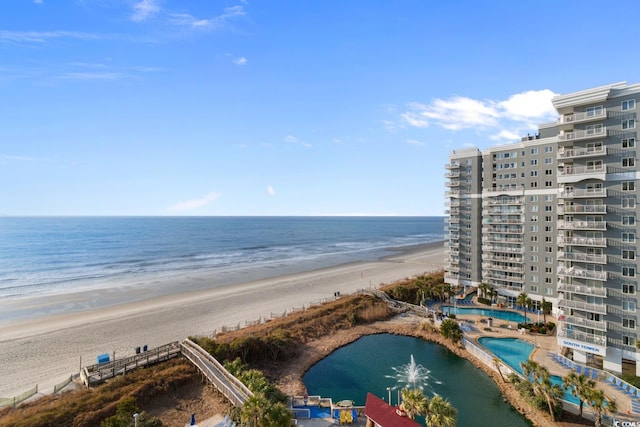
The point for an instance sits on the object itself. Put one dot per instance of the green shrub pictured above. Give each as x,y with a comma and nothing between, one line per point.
485,301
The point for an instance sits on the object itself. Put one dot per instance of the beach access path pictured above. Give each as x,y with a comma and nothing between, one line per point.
45,349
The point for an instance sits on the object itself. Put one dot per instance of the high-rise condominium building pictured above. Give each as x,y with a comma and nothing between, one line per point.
554,216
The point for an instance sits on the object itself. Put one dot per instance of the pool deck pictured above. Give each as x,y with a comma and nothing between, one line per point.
545,344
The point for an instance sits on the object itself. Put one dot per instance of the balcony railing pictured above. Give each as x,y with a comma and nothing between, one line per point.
582,170
578,135
452,174
582,257
588,192
600,325
493,257
584,337
583,241
452,165
505,202
582,209
503,277
583,116
582,273
582,225
492,238
502,211
488,266
452,183
573,153
501,249
594,308
583,290
453,193
503,230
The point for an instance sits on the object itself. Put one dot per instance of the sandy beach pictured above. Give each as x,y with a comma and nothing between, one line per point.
47,348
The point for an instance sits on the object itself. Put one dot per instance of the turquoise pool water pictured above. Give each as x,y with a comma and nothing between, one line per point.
510,316
513,351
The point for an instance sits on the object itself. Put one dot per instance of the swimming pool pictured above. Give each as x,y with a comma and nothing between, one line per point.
510,316
513,351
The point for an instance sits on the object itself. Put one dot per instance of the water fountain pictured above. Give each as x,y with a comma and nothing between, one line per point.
414,376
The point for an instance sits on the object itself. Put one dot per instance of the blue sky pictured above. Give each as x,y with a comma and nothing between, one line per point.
301,107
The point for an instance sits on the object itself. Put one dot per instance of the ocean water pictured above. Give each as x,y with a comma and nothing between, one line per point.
52,255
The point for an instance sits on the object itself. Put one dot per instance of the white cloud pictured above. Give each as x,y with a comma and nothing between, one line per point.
271,191
195,203
187,20
94,76
42,36
292,139
144,9
240,61
511,117
37,1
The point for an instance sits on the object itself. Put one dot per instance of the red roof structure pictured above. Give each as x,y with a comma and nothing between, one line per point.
385,415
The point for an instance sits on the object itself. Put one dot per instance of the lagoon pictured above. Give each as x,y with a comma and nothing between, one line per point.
366,365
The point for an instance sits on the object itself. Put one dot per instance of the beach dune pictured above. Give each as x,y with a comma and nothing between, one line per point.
49,346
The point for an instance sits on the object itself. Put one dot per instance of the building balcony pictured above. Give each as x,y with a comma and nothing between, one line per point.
452,193
502,249
582,209
503,258
452,165
504,277
582,257
583,290
582,117
503,230
452,183
583,193
583,306
503,220
600,242
583,336
581,135
489,266
454,268
599,325
452,174
582,225
577,153
499,239
582,273
502,211
505,202
515,288
572,173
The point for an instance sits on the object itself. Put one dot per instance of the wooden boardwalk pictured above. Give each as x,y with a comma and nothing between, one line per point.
100,372
231,387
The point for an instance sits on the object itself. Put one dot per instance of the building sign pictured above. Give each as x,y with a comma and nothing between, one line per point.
577,345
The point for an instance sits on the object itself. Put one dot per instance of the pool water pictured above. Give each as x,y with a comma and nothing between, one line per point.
513,351
316,411
510,316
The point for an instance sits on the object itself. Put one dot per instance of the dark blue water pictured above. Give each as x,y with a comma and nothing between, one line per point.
45,255
365,366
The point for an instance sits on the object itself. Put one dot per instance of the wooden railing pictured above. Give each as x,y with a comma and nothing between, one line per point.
231,387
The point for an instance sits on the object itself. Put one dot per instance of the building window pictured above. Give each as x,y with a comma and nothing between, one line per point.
547,219
629,104
534,268
548,228
628,143
629,288
629,237
548,198
534,151
548,149
533,288
594,129
548,249
628,186
534,238
548,270
548,208
534,208
628,254
547,280
533,198
548,260
534,218
533,228
548,160
534,258
534,173
548,291
629,124
629,323
547,239
628,162
548,183
629,271
628,203
629,220
534,279
594,111
627,340
629,305
548,171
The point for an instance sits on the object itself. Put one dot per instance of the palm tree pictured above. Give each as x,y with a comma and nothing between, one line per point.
551,392
492,293
414,402
483,288
522,301
278,415
579,385
546,309
440,413
451,330
254,410
600,405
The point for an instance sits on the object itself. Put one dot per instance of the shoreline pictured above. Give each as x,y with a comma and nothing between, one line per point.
52,346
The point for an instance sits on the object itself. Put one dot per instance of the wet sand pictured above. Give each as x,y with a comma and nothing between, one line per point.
50,345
